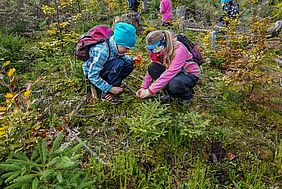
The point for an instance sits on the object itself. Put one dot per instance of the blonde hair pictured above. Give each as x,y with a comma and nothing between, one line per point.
170,47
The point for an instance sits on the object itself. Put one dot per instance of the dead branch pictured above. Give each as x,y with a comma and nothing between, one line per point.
90,151
76,109
132,91
79,140
198,29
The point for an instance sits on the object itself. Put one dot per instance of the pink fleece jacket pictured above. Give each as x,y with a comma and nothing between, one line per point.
166,10
179,61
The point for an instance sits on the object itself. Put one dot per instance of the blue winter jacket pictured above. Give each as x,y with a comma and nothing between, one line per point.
99,55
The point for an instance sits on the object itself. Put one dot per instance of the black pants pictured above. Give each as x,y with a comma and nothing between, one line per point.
180,86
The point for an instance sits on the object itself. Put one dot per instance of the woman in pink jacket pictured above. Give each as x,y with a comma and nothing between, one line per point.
166,11
172,68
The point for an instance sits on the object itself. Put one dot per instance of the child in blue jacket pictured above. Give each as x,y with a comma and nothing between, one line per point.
230,11
108,65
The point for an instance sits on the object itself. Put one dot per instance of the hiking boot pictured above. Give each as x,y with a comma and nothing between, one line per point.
111,98
165,99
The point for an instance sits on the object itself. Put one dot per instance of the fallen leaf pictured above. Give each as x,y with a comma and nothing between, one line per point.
11,72
27,93
2,109
8,95
230,156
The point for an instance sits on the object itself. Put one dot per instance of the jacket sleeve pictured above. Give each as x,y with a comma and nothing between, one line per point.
127,58
147,81
98,57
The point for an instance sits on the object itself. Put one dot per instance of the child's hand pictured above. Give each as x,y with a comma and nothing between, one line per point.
143,93
138,92
116,90
137,59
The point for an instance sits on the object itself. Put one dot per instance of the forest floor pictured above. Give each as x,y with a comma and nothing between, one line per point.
220,140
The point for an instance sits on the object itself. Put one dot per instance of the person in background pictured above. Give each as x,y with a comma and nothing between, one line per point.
133,5
166,11
172,68
107,65
230,11
133,18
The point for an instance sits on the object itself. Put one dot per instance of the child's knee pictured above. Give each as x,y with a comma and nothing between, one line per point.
176,87
130,67
127,66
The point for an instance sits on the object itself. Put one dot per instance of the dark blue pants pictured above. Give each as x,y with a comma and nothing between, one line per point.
180,86
133,5
116,70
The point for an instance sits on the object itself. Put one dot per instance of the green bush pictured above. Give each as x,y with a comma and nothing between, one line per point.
11,46
192,125
150,123
56,167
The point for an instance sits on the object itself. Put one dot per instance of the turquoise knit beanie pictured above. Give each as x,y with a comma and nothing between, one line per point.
125,35
225,1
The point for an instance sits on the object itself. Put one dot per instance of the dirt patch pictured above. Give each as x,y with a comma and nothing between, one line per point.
216,153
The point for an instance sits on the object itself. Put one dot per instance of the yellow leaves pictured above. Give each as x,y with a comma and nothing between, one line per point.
48,10
3,130
113,5
110,5
65,3
11,72
52,31
6,63
8,95
77,17
4,127
27,93
70,37
258,24
254,1
94,3
64,24
2,109
149,29
87,10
